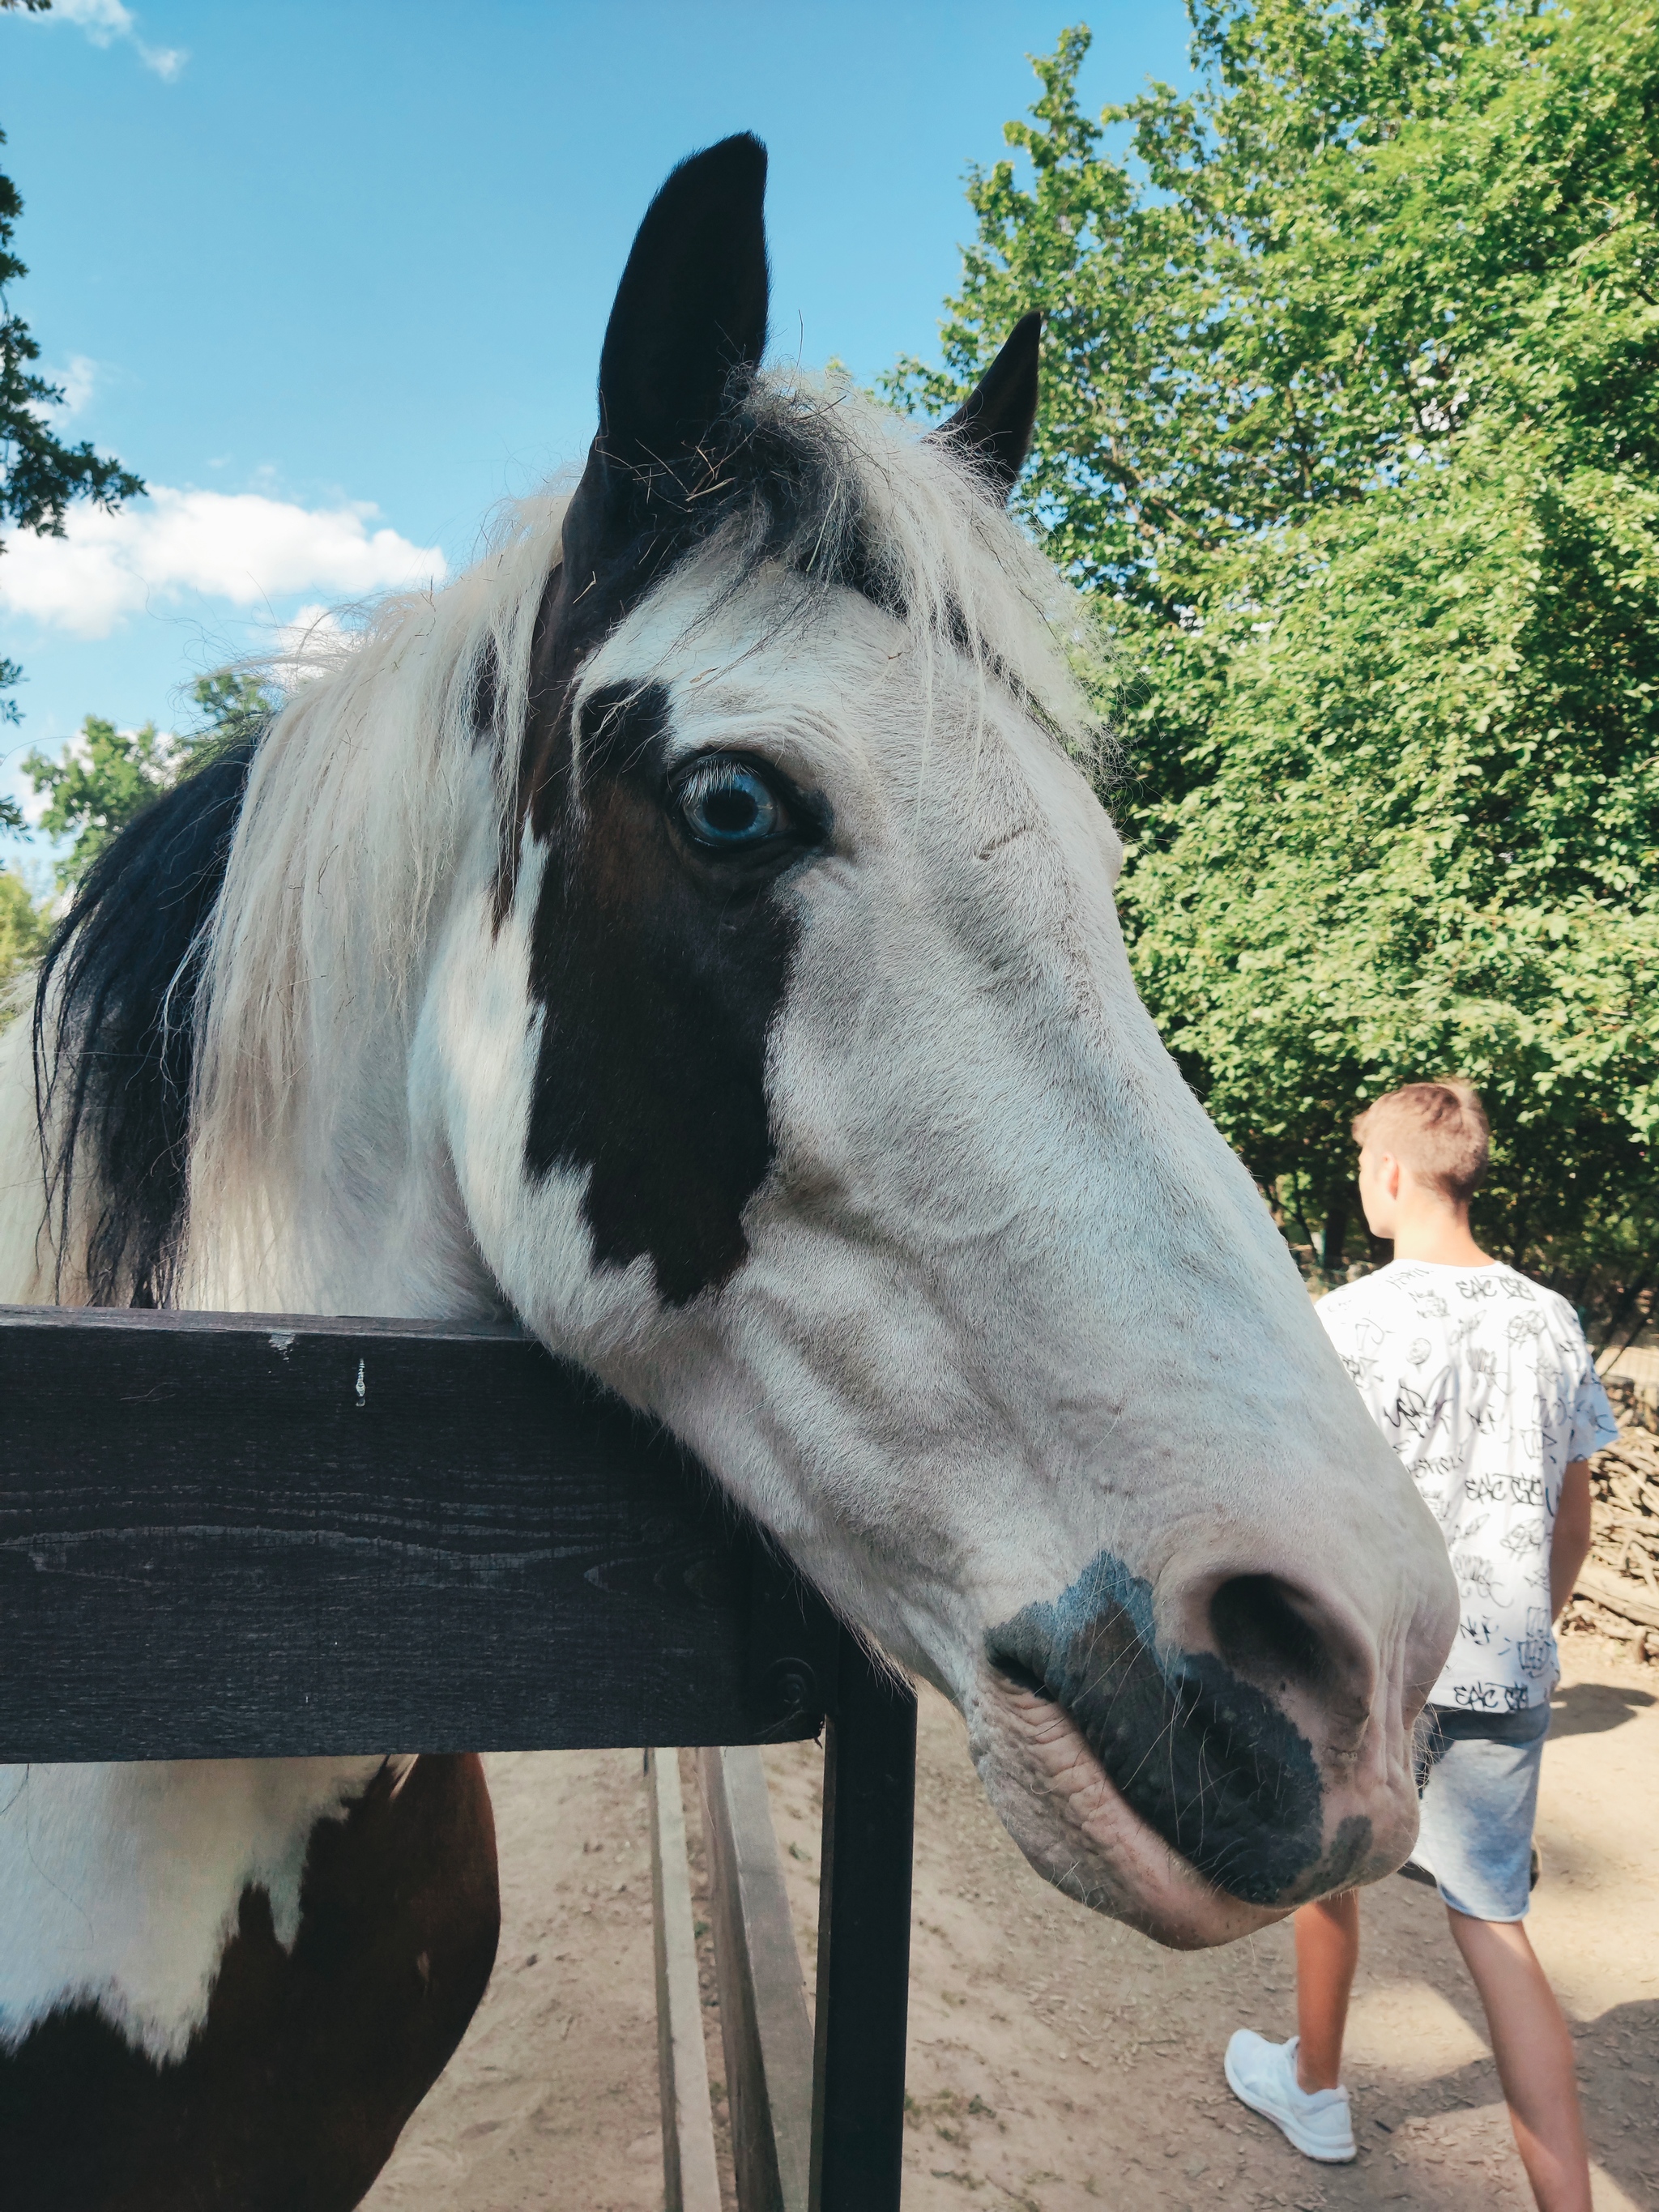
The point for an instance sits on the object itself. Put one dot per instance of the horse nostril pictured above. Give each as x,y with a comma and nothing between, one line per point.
1195,1730
1264,1636
1022,1676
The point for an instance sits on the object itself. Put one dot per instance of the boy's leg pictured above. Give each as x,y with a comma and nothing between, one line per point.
1327,1953
1278,2080
1534,2051
1476,1834
1296,2085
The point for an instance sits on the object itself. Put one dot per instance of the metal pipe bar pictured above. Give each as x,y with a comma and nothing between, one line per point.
863,1941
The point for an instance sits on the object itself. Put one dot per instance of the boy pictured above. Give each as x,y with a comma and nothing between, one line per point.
1482,1381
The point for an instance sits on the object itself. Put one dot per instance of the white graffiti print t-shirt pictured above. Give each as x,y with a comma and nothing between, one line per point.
1482,1381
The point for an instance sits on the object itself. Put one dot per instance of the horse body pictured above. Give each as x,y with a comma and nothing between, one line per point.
230,1983
691,932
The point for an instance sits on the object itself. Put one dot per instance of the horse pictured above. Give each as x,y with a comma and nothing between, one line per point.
691,932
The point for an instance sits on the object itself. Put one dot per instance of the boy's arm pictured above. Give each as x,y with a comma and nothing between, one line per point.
1571,1542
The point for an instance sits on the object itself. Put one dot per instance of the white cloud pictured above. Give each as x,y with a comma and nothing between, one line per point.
77,384
104,21
314,642
242,547
312,625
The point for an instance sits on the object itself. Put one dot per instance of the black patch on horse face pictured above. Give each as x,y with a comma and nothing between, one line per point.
659,973
115,1057
1209,1761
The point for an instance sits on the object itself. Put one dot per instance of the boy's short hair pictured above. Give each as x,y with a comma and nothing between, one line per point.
1438,1130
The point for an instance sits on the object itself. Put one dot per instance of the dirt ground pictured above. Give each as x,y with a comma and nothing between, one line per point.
1057,2061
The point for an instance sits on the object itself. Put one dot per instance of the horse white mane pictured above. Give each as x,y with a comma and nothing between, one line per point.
367,785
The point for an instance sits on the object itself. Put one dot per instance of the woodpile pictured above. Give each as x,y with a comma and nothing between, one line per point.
1617,1591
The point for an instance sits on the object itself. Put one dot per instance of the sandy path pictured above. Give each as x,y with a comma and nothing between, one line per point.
550,2103
1057,2061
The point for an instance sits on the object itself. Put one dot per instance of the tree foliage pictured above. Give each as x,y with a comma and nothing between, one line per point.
1350,422
102,778
105,775
22,936
40,475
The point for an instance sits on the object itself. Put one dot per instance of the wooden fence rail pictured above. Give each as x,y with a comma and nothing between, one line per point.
235,1535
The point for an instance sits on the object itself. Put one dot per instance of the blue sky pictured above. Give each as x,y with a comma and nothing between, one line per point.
332,278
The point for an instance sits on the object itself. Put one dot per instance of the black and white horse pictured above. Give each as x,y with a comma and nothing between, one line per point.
691,932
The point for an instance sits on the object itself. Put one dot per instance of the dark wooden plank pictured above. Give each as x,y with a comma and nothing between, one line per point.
765,2031
227,1535
864,1942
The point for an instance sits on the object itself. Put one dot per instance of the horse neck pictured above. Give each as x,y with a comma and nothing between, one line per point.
350,1203
394,1243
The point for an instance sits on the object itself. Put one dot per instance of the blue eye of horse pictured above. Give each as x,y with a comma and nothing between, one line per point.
729,805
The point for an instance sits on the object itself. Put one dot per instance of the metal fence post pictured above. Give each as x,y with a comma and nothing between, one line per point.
863,1941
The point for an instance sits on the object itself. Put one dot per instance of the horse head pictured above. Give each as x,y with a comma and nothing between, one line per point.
795,1083
693,930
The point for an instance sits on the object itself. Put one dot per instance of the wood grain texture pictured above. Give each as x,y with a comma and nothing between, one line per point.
1619,1594
233,1535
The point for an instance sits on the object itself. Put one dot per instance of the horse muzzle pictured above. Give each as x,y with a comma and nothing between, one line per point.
1195,1790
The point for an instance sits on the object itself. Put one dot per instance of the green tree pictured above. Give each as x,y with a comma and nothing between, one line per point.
105,776
22,937
234,710
40,475
1352,424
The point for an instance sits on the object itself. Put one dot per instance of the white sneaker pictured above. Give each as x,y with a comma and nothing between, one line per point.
1263,2075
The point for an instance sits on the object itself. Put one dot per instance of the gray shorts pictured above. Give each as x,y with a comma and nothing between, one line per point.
1478,1777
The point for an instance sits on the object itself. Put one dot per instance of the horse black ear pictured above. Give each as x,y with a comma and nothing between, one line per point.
691,309
994,421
